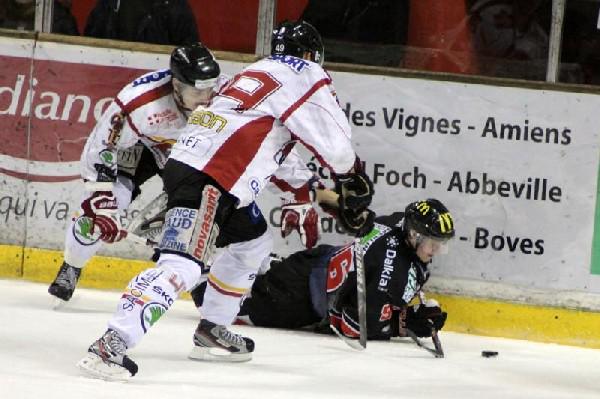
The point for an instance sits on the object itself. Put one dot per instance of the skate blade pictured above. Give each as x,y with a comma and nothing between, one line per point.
92,366
58,304
218,355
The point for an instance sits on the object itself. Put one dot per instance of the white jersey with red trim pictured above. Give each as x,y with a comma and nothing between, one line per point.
289,181
253,123
144,111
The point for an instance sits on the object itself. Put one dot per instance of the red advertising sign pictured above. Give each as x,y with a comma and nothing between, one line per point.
47,109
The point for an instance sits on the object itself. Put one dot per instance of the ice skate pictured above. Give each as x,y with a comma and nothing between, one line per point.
106,359
213,342
65,282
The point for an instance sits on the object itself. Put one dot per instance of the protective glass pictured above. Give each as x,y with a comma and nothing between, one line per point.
190,97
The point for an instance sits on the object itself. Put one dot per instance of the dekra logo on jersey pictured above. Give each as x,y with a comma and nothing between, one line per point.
153,77
296,64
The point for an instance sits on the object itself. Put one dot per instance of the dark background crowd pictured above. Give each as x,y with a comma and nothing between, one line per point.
499,38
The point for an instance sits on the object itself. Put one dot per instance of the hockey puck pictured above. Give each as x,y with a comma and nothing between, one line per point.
489,353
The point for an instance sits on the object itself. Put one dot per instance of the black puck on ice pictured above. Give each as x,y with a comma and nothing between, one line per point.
489,353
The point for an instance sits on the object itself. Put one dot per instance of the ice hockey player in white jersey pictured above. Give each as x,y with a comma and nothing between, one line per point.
219,165
130,144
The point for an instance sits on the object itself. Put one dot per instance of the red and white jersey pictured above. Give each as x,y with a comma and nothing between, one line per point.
143,111
290,179
243,137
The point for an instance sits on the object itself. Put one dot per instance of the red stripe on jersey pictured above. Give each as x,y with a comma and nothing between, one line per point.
303,99
314,152
282,184
143,99
223,291
230,161
147,97
301,194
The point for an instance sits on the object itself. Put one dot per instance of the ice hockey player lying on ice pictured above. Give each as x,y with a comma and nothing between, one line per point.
315,287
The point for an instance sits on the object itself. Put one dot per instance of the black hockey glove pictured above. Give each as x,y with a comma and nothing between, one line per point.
420,319
357,223
355,191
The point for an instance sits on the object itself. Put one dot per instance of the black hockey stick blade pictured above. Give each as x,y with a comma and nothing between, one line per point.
354,344
437,343
435,352
361,293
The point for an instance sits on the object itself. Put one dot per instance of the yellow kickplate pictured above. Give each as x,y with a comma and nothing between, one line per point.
467,315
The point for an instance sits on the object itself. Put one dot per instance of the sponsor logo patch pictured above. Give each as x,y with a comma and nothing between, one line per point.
151,313
294,63
177,232
152,77
204,230
82,231
254,185
386,312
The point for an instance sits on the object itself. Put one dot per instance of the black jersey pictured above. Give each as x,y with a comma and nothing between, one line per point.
393,272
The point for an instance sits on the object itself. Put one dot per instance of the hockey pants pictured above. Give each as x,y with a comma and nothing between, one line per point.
151,293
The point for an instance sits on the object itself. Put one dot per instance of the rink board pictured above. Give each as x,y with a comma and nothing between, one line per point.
517,167
467,315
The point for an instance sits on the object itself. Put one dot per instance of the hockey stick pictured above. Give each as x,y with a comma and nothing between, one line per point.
149,222
330,198
138,240
361,299
361,294
354,344
439,351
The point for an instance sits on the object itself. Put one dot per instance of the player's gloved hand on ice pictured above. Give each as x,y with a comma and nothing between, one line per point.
304,219
101,208
421,318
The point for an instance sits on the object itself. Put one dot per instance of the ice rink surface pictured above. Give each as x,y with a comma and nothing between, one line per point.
40,346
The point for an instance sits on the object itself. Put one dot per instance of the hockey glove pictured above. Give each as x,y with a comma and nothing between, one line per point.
356,223
420,319
355,191
302,218
101,208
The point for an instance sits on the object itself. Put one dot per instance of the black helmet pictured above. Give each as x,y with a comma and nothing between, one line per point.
296,38
429,218
194,63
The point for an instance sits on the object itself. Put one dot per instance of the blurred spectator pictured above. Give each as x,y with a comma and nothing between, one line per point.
350,27
150,21
580,52
63,21
505,30
369,21
20,15
17,14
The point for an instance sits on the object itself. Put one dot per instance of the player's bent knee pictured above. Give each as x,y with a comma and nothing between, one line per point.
186,271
